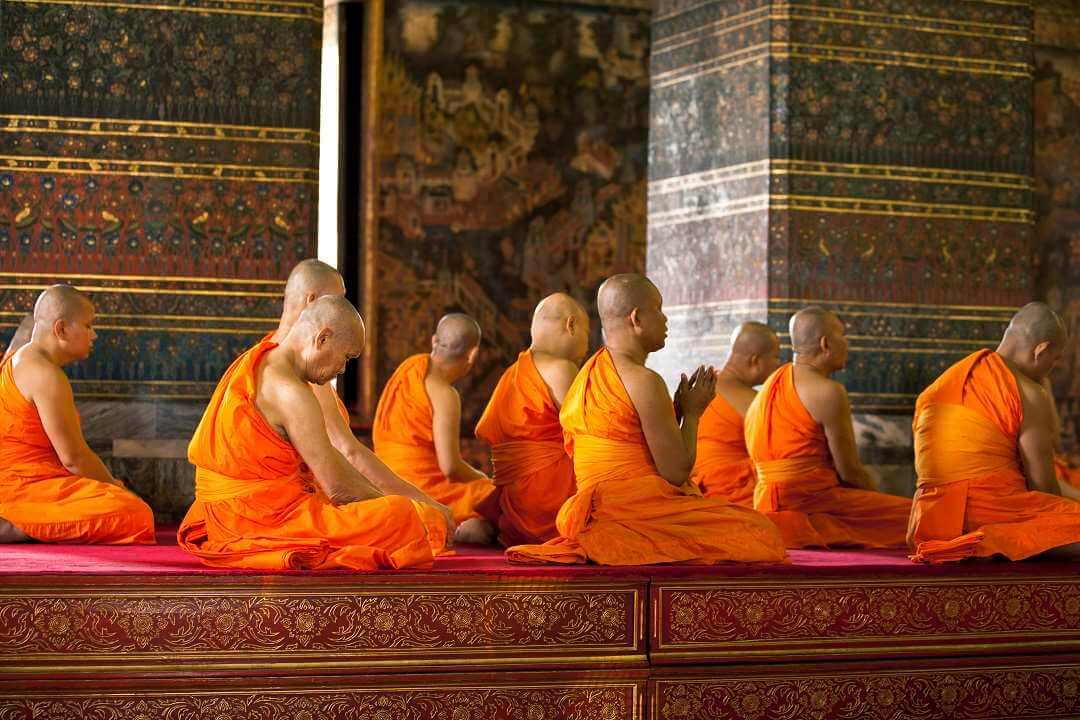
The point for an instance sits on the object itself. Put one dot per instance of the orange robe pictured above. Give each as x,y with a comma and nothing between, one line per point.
723,468
798,488
403,438
972,497
1066,473
40,497
624,512
256,508
533,474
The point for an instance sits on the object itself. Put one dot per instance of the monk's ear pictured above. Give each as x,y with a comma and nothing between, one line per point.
434,342
473,355
59,328
634,320
310,298
1041,349
571,324
323,337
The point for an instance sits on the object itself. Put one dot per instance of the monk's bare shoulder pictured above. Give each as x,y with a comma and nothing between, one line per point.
441,394
279,390
823,397
34,373
638,378
1038,405
736,394
557,373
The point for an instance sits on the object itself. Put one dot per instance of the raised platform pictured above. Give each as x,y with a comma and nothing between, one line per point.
832,634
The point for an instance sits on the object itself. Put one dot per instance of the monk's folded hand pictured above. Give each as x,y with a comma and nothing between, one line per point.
700,391
680,394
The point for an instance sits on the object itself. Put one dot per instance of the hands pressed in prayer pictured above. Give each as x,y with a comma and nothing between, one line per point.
696,392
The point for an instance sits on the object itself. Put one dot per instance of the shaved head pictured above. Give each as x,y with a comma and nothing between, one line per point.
560,327
1036,323
754,338
620,294
556,307
336,314
59,302
809,325
21,336
455,336
312,277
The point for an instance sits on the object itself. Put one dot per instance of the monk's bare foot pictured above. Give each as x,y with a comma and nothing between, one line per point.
476,531
1065,552
11,534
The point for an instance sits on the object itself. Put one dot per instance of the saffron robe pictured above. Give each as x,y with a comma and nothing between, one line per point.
39,496
972,497
403,439
723,468
256,506
624,512
533,474
797,486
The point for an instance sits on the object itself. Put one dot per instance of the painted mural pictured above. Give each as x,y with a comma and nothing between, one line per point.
512,150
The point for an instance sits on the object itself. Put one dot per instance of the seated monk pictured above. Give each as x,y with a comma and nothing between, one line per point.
21,336
256,504
53,487
799,435
533,474
308,281
634,502
417,427
724,468
984,453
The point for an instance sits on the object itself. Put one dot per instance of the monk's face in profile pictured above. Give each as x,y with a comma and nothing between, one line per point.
76,335
330,355
838,344
1045,357
651,322
765,364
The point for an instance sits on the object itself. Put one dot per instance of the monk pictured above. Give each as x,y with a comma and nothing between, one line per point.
533,474
984,444
799,434
417,428
635,503
256,504
21,336
308,281
53,487
724,468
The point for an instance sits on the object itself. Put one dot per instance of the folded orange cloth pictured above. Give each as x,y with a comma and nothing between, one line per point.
723,468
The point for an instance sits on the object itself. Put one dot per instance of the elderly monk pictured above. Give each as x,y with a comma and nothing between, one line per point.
984,443
271,491
533,474
635,503
799,435
723,467
21,336
53,488
308,281
417,428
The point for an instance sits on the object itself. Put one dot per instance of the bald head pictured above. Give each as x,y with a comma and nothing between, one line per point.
754,338
809,325
620,294
311,279
455,336
1034,324
336,314
59,302
560,327
21,336
556,308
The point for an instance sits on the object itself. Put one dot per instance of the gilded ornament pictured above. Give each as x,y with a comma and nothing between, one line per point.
534,712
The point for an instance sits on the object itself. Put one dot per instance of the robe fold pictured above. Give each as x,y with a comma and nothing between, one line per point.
723,468
797,486
256,505
39,496
533,475
624,512
403,439
972,497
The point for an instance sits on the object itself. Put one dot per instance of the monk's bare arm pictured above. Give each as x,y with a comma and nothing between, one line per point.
1056,416
671,449
48,388
833,411
363,460
558,374
446,432
287,401
1036,438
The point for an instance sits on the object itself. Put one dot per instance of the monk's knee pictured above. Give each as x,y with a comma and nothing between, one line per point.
9,533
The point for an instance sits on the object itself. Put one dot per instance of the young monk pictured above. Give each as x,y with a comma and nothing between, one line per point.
307,282
21,336
723,467
632,460
984,442
533,474
417,428
53,487
799,435
255,505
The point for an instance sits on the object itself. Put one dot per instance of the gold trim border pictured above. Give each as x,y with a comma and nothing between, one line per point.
313,12
162,168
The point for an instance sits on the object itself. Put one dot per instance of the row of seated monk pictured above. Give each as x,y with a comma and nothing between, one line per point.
594,460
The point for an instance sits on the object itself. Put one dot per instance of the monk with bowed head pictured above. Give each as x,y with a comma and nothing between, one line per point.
533,474
724,468
307,282
417,427
21,336
984,445
799,434
632,459
53,487
271,491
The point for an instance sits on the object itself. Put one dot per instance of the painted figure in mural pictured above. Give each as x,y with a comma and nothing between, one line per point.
417,428
799,435
21,335
533,474
53,487
271,490
724,468
984,444
308,281
635,503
